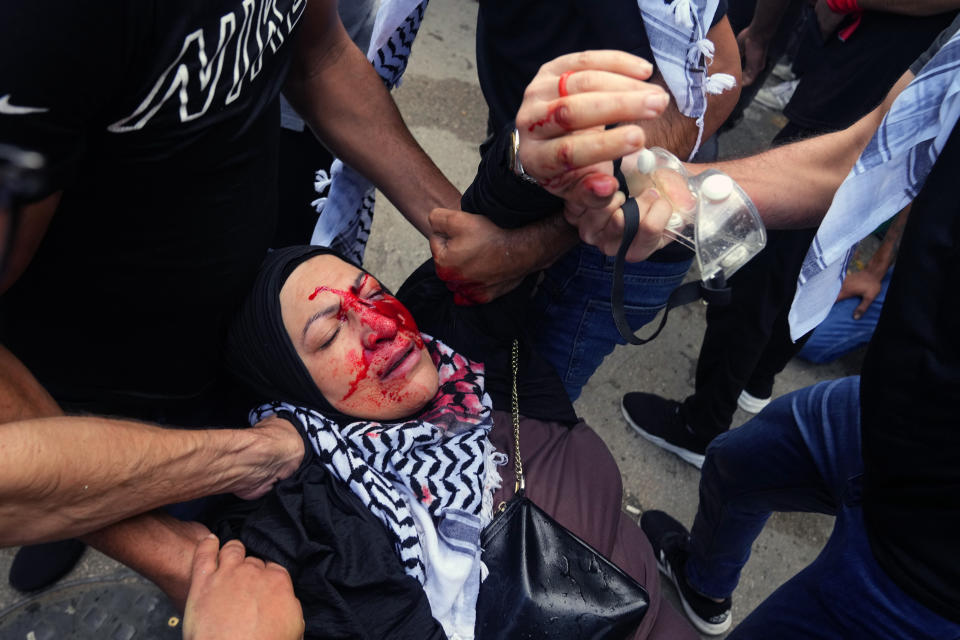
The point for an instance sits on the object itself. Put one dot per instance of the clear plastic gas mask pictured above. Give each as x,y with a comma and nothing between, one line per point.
711,214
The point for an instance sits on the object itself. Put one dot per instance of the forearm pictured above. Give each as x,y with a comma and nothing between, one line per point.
543,241
68,476
342,98
793,185
767,17
676,132
886,253
910,7
155,545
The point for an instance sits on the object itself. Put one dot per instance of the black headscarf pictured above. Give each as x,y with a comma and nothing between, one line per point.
259,351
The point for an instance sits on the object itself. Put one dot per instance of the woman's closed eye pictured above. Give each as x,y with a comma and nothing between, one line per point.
328,341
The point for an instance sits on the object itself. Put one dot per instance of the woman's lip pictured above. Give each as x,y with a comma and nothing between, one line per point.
401,364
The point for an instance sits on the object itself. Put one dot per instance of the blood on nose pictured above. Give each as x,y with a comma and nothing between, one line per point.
379,327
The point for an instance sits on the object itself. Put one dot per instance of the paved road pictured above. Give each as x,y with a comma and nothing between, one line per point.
441,102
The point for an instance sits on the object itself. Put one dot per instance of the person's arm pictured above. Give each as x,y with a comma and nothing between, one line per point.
334,88
237,597
754,39
910,7
792,186
84,476
565,147
867,283
676,132
67,476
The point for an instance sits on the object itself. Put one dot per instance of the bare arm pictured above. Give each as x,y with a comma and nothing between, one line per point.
867,283
755,38
793,185
67,476
676,132
334,87
910,7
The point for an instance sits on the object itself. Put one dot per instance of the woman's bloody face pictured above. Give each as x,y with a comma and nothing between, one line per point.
360,345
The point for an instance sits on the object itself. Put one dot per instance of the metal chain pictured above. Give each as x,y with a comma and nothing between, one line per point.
515,401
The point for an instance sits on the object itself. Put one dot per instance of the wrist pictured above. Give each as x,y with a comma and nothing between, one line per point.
545,241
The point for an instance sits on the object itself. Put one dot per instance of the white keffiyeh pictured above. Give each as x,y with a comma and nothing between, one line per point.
888,175
429,480
677,31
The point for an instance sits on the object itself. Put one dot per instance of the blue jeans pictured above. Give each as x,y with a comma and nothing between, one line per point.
572,324
802,453
839,333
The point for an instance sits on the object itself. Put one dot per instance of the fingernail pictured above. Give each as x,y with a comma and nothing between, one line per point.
650,194
635,138
856,315
211,536
657,101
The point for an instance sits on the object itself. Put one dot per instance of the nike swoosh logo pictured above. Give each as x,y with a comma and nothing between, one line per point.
16,110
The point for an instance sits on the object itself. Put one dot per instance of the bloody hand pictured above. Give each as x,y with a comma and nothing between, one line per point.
563,142
473,256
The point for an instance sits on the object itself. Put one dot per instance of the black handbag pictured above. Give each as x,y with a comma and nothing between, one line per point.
544,581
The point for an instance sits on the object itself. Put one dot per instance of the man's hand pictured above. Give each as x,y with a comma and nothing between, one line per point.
238,597
865,285
563,143
472,255
603,227
283,447
753,53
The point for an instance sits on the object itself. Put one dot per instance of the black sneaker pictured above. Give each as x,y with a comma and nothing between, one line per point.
658,420
670,541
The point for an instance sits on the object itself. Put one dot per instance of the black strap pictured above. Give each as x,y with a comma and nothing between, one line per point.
714,292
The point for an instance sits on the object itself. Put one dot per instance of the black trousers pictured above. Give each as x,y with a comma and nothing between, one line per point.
747,343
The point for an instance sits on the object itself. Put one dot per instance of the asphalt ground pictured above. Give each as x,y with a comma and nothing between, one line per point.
442,104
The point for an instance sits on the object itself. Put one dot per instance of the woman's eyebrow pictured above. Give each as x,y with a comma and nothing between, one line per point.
359,281
323,313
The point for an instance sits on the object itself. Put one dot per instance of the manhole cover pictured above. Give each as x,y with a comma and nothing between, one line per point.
101,609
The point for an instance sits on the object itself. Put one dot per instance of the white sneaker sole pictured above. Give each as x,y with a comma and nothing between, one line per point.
751,403
686,455
702,625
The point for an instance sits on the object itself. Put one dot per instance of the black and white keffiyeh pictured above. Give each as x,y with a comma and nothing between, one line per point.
430,480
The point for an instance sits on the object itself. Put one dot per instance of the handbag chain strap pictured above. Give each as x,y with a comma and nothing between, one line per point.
515,411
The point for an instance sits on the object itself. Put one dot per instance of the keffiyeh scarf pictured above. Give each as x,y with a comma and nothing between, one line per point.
677,31
888,175
430,480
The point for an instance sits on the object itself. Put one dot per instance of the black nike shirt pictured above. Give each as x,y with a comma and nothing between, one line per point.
160,123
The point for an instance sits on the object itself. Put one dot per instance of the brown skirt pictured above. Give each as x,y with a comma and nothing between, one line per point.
571,475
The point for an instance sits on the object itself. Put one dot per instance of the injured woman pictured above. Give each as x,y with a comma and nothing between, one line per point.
407,419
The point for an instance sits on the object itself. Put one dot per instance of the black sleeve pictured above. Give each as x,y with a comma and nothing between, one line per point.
941,40
59,63
500,195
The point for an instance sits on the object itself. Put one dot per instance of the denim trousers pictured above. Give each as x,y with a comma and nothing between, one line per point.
839,333
802,453
571,319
